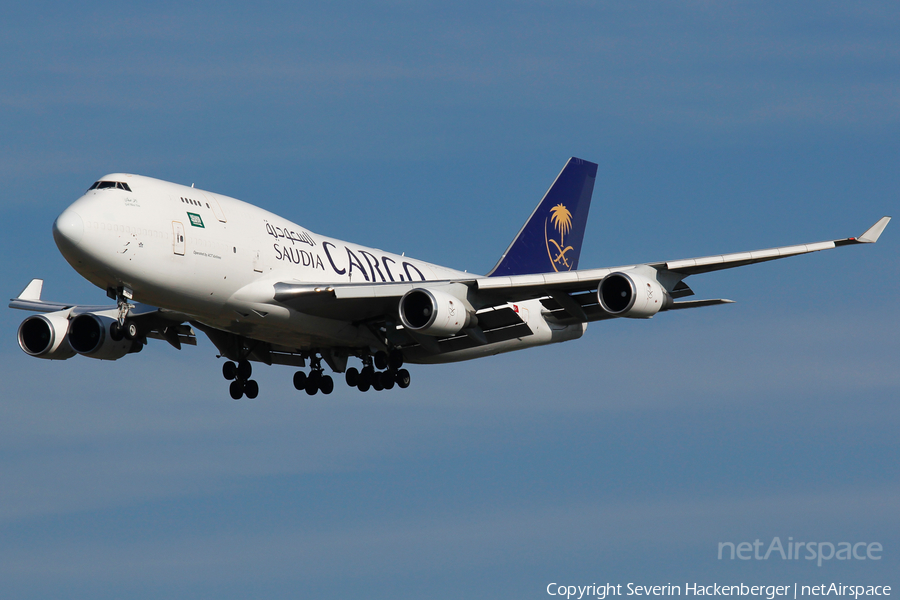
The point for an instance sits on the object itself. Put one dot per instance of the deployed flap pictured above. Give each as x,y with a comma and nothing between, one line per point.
699,303
495,325
550,241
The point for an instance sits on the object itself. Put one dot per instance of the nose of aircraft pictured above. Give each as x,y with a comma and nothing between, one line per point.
68,228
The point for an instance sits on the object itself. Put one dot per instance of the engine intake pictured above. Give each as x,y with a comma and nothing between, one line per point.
432,312
44,336
89,335
631,295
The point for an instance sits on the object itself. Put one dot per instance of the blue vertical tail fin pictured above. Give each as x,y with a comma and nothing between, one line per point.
551,238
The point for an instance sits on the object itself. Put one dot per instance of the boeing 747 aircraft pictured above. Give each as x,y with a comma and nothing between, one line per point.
263,289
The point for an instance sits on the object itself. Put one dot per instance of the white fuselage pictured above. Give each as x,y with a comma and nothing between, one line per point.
217,259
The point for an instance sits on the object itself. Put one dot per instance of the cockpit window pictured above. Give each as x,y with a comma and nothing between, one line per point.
102,185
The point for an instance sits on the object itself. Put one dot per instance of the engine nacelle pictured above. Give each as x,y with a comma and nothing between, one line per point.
631,295
44,336
432,312
89,335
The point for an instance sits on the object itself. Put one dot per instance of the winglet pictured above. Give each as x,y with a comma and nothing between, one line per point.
32,291
872,233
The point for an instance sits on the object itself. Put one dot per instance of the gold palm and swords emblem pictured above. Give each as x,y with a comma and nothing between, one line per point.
561,219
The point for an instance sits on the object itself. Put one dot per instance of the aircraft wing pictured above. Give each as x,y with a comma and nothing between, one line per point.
570,291
158,323
350,301
30,299
575,281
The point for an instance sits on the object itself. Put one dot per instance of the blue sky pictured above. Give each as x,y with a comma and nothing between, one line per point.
434,129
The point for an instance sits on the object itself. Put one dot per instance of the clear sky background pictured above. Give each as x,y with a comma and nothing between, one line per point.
434,129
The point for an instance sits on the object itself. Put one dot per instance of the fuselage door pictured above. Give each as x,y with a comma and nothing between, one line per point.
178,238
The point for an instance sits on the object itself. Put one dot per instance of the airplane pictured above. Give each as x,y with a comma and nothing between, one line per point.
177,259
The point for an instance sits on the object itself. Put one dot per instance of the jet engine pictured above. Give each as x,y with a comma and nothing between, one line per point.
432,312
44,336
631,295
90,335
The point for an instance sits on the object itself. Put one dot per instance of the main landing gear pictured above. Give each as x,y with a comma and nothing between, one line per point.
388,374
239,375
316,381
381,371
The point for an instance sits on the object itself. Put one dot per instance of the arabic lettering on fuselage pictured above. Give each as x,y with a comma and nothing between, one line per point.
288,234
379,269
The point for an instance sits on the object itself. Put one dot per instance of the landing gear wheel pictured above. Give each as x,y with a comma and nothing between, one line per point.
312,383
132,331
395,360
244,370
388,378
251,388
352,376
115,332
381,360
300,380
377,384
326,384
229,370
363,384
236,389
403,379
